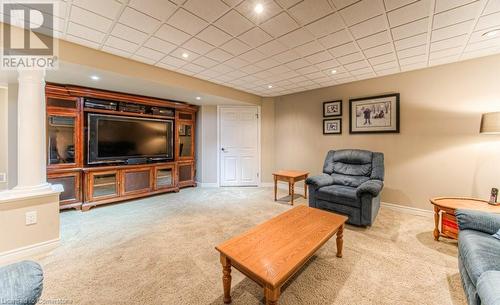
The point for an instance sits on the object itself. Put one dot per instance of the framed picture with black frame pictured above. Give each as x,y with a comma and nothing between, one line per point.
375,114
332,126
332,108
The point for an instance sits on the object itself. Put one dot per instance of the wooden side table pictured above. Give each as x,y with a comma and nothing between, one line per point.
290,176
444,211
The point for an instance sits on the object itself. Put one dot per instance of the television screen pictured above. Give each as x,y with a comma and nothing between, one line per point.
116,138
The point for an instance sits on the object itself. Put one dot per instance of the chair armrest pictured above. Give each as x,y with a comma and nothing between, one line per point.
372,187
21,283
488,288
319,181
479,221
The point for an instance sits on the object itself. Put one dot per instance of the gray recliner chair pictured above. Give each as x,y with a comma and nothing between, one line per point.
351,183
21,283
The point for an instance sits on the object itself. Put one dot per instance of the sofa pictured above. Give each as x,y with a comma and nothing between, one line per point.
350,184
479,256
21,283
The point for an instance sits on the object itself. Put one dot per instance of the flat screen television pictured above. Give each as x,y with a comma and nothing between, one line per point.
119,138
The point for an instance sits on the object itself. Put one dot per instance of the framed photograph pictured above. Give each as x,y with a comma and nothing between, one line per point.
333,108
332,126
377,114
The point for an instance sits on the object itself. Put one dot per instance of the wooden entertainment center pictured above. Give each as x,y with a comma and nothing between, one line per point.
87,185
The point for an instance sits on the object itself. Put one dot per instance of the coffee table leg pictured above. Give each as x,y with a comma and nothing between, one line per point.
226,278
275,188
272,295
340,241
305,188
436,223
292,189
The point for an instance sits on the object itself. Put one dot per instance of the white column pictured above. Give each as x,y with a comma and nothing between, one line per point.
31,150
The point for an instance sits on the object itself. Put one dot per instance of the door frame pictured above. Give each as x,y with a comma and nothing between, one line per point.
219,146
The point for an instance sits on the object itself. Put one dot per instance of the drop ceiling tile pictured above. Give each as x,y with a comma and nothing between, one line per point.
477,53
222,68
369,27
393,4
410,42
286,56
316,75
446,53
279,25
377,51
172,35
188,22
205,62
236,62
196,45
444,60
308,11
209,10
483,44
357,65
386,65
120,44
456,15
179,52
82,16
411,52
267,63
234,23
150,54
409,13
143,59
344,49
272,48
139,21
452,31
218,55
340,4
255,37
335,39
329,24
347,59
492,7
382,59
325,65
413,60
159,9
104,8
288,3
85,32
193,68
115,51
410,29
82,41
213,36
247,9
488,21
252,56
171,63
362,11
362,72
297,64
279,70
374,40
448,43
250,69
128,33
296,38
444,5
319,57
159,45
309,48
478,36
414,66
235,47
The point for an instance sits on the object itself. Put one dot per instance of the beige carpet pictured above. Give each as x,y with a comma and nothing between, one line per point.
160,250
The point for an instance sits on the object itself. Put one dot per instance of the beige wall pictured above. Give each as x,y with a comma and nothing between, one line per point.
3,135
12,135
267,139
206,145
439,151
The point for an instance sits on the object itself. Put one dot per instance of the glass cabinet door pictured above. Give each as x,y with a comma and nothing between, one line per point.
104,184
185,131
61,137
164,177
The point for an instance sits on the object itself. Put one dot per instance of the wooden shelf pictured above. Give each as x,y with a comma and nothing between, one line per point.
117,112
104,184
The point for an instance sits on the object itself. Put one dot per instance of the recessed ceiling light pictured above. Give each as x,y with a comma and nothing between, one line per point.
334,71
259,8
185,55
95,77
270,86
198,98
491,33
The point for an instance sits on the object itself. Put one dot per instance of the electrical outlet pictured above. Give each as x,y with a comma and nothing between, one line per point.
3,177
31,218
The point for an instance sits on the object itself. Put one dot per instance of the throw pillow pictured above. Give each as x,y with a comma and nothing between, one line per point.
497,234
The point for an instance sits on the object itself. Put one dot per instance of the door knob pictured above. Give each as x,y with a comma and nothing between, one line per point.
223,149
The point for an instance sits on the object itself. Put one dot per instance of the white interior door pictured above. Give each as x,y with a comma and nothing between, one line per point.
239,146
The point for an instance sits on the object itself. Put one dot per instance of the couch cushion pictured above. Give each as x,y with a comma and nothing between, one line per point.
353,156
488,288
480,252
352,169
339,194
347,180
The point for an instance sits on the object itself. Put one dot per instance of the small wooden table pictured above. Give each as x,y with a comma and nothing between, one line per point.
446,206
273,251
290,176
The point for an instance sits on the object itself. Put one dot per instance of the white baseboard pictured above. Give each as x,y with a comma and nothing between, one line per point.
207,185
28,251
408,210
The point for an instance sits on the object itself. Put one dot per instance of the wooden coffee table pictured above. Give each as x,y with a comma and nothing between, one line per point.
444,212
290,176
273,251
